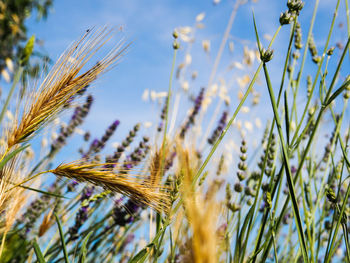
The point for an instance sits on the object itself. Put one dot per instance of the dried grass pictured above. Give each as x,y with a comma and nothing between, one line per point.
202,212
11,201
158,163
47,222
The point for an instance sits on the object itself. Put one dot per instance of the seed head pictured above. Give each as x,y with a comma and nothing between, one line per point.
295,5
266,55
176,45
139,188
175,34
331,195
330,51
285,18
63,82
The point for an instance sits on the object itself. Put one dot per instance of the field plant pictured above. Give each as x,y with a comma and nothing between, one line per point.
215,182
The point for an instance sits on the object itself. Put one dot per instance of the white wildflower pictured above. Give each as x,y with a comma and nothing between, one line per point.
214,88
56,121
238,124
206,45
223,92
54,136
145,95
188,59
147,124
248,125
44,142
185,86
242,82
6,75
153,95
200,17
248,56
9,115
9,64
206,102
258,123
240,95
184,30
79,131
231,46
115,144
245,109
162,94
185,38
184,33
238,65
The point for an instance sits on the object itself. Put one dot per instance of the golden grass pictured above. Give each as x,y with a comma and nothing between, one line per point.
63,82
11,201
140,188
47,222
7,175
202,212
157,163
155,167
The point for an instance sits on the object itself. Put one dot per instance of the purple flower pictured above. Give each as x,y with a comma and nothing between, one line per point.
82,214
77,119
126,214
97,145
191,118
218,130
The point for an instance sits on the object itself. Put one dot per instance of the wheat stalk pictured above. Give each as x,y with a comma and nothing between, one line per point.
64,81
140,188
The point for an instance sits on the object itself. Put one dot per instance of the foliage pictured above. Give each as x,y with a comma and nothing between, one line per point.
13,33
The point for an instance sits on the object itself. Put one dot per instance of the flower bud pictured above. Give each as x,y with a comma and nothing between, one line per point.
176,45
266,55
285,18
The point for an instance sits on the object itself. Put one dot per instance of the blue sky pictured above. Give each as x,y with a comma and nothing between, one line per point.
149,25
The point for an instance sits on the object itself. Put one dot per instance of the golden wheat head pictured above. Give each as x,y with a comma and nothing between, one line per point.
139,188
64,81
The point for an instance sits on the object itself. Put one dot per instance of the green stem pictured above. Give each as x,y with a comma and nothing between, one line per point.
287,168
16,78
